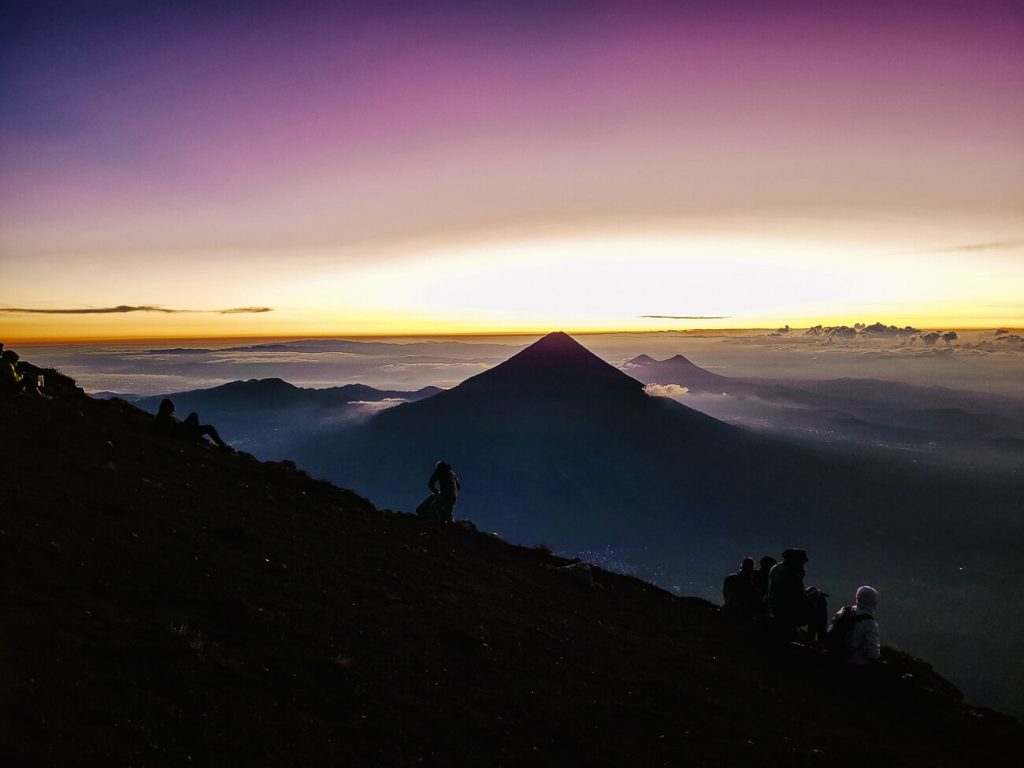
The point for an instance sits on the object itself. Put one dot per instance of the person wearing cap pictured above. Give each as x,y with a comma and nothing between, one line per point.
864,643
792,605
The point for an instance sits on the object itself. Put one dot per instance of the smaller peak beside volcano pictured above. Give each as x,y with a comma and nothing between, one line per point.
641,360
677,369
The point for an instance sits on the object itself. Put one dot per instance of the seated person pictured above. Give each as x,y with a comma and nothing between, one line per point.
761,574
856,629
742,600
189,428
12,380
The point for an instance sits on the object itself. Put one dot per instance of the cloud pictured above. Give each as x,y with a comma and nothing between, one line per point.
178,351
359,411
125,308
374,406
687,317
665,390
992,245
436,366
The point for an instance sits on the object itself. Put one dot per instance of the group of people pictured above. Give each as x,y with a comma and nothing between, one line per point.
774,596
14,379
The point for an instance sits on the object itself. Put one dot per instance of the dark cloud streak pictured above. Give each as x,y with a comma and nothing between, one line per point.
994,245
687,317
124,308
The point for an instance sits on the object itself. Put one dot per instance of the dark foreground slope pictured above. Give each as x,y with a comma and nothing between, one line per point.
167,603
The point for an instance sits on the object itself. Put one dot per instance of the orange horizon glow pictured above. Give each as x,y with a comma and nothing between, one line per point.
14,340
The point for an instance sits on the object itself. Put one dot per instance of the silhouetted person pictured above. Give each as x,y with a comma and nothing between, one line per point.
791,605
189,428
12,380
445,483
761,574
742,601
860,643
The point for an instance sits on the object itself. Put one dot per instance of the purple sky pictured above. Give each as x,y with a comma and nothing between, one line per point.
135,132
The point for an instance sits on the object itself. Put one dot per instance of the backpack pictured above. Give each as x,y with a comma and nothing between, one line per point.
429,508
838,636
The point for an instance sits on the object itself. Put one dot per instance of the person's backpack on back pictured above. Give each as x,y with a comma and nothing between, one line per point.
837,639
430,508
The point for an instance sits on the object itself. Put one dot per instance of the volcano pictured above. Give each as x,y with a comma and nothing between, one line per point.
556,445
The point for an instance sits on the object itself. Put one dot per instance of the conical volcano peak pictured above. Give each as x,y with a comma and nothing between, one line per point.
556,361
643,359
557,337
681,360
557,343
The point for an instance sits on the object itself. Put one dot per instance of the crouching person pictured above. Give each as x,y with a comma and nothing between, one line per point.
853,636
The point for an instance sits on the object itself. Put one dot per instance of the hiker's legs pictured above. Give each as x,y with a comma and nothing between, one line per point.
197,430
207,429
446,509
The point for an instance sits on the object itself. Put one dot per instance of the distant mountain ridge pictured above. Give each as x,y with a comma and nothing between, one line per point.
674,370
981,426
277,393
268,416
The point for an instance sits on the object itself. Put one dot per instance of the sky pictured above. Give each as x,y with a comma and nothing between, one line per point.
256,169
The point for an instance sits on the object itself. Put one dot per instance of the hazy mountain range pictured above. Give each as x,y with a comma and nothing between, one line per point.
936,424
266,417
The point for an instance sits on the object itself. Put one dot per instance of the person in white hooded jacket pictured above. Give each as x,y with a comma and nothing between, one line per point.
864,644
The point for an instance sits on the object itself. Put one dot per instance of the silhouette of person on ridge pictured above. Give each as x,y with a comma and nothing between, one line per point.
761,575
190,428
444,483
14,381
742,600
855,628
791,605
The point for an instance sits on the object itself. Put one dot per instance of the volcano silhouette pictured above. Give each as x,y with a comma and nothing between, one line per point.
554,365
553,445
